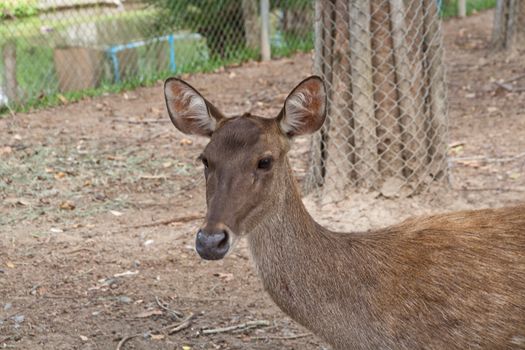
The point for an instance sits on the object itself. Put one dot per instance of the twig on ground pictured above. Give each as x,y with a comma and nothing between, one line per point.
500,189
143,121
173,313
186,218
242,326
171,329
5,339
517,77
125,339
277,337
509,87
487,159
185,323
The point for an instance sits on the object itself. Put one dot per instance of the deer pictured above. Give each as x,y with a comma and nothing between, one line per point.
447,281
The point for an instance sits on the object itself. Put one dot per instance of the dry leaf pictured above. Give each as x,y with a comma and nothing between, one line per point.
60,175
10,265
167,164
185,142
17,201
224,276
67,205
83,338
62,98
391,188
157,336
186,347
116,213
110,157
5,150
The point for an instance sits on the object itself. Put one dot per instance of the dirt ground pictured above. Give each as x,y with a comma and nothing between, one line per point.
90,253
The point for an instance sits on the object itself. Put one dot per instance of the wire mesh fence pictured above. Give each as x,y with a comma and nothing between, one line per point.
381,60
67,48
382,63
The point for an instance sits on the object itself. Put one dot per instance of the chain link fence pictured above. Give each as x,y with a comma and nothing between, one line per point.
381,60
66,49
387,126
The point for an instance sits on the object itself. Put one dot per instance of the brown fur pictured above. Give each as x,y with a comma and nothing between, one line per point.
452,281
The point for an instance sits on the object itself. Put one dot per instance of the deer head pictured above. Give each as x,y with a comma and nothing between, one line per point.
245,162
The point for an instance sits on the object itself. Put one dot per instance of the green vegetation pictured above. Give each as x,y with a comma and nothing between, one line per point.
450,7
18,8
35,39
219,21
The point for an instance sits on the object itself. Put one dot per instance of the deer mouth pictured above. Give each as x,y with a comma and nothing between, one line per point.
212,245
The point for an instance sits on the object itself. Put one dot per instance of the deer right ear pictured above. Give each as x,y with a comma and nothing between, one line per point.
188,110
304,110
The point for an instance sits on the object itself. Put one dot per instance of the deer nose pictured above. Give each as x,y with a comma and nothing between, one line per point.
212,245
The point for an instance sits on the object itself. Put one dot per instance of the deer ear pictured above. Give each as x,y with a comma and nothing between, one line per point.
188,110
304,110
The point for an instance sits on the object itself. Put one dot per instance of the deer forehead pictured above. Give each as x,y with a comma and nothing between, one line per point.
245,136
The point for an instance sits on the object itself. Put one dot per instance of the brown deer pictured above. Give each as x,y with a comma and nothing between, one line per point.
453,281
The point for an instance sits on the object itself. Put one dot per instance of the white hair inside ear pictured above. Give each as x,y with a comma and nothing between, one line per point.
188,110
296,107
304,109
190,105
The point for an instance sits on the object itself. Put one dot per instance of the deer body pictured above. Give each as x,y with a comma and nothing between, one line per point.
453,281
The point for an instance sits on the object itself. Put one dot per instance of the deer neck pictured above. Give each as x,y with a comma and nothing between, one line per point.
287,221
289,243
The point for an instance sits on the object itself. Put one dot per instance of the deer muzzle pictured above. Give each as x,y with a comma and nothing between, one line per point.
213,244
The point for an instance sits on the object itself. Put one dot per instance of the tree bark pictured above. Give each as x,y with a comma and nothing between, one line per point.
509,25
252,27
436,98
11,83
385,93
365,124
382,64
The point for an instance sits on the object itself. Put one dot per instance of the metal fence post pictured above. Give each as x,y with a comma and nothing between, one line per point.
462,8
265,30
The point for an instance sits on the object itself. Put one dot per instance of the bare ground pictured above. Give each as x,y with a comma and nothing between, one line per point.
80,268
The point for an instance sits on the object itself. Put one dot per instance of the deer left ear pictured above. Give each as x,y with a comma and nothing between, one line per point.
188,110
304,110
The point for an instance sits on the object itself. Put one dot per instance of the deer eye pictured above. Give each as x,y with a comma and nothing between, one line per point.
265,163
204,162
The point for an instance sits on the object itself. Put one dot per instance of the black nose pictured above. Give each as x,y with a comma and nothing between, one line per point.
212,245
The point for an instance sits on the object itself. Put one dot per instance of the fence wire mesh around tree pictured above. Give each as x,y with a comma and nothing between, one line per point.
387,126
64,49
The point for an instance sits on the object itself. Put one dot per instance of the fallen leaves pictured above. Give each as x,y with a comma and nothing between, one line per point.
67,205
5,150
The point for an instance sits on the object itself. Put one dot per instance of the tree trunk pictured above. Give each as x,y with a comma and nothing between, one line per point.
385,93
11,83
509,25
381,61
252,27
365,124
